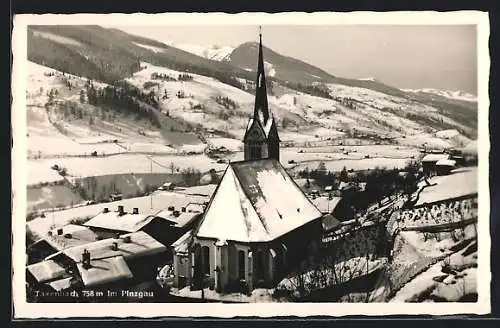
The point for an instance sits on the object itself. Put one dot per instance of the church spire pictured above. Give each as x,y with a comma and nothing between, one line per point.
260,89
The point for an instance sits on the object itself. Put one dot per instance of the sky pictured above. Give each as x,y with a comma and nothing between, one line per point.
411,57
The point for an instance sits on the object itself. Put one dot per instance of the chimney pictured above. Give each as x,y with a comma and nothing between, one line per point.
86,259
68,236
183,209
121,211
59,231
114,246
135,210
50,232
176,213
105,210
127,239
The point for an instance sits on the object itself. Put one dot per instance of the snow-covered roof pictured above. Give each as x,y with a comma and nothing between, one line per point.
114,221
268,125
61,284
434,157
326,205
256,201
80,235
104,271
141,244
181,244
181,220
446,162
46,270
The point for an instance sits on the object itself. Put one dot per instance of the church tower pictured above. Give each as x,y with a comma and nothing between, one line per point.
261,138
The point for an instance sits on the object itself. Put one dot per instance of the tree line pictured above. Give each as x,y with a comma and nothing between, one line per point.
125,98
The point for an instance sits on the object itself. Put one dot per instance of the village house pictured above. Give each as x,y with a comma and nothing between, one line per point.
258,223
123,261
429,163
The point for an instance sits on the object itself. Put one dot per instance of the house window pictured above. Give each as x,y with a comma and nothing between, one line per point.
205,259
241,264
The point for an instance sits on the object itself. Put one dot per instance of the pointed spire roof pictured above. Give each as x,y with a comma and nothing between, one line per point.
261,110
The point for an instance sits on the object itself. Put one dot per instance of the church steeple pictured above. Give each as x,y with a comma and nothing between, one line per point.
261,110
261,138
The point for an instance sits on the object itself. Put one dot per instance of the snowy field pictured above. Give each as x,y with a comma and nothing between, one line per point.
64,146
231,144
357,164
50,197
40,171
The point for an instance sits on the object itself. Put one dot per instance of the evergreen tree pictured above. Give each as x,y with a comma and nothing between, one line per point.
343,175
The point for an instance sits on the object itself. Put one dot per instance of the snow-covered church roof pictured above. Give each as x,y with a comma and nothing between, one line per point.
256,201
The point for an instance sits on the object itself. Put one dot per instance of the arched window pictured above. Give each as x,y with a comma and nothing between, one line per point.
241,264
205,259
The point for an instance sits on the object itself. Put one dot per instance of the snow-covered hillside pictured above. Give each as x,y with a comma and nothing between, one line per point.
62,123
200,102
213,52
456,95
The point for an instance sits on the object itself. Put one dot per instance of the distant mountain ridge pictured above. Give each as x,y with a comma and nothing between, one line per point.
456,95
111,55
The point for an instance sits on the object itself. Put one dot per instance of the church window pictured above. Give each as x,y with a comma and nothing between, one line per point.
205,259
241,264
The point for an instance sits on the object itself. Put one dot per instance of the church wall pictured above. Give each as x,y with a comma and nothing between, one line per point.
182,270
210,243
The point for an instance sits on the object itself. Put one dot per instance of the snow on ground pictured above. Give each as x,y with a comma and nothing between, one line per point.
57,38
460,182
231,144
51,197
213,52
430,247
447,134
147,147
470,148
419,285
40,171
153,49
64,146
357,164
457,95
201,87
436,284
424,140
465,283
373,150
198,148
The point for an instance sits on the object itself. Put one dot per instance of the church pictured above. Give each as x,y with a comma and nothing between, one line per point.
258,224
